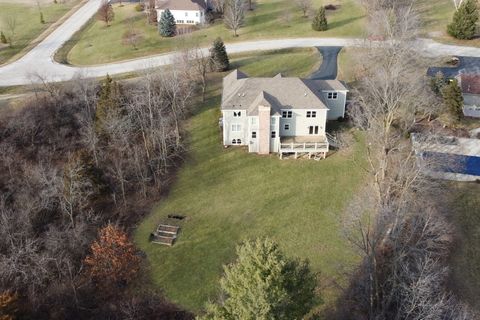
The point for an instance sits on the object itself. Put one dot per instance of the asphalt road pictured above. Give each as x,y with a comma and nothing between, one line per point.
38,65
329,68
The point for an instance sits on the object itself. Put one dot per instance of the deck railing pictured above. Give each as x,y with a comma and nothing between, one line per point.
304,147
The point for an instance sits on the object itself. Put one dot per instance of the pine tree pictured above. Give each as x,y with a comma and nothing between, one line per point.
464,22
3,38
453,99
167,26
219,56
108,101
264,284
320,20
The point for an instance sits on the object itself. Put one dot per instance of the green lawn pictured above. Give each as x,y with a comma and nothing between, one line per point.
28,25
98,43
229,195
466,257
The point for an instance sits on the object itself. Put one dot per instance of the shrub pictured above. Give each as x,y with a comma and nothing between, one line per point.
330,7
219,56
167,26
320,20
464,22
3,38
139,7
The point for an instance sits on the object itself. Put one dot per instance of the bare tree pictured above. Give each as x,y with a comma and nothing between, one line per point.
218,5
234,16
132,36
305,6
105,12
11,25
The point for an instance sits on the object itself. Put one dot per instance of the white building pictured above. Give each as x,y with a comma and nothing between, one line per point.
279,114
184,11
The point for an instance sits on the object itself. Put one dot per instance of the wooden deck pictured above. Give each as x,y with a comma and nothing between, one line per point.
316,146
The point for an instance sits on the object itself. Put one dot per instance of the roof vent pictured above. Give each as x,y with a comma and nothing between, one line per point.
243,94
305,94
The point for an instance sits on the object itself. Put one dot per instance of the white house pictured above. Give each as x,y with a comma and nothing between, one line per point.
184,11
280,114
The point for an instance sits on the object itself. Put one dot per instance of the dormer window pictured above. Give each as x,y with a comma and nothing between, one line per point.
332,95
237,113
286,114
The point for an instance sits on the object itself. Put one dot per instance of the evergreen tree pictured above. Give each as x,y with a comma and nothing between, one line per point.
108,101
320,20
167,26
219,56
263,284
3,38
438,82
464,22
453,99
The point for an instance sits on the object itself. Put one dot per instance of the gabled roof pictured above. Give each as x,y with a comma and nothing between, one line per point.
470,83
181,4
279,92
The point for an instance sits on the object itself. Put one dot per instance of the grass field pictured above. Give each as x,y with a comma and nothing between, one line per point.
466,258
229,195
99,44
28,26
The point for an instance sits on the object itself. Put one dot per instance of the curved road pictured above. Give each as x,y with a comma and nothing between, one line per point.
38,64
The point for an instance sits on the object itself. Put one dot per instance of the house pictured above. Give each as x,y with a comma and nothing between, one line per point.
281,114
184,11
470,85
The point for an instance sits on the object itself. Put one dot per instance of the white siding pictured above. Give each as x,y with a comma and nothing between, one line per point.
186,16
229,121
299,123
336,106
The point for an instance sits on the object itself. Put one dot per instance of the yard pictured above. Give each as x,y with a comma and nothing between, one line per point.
271,19
229,195
466,258
26,15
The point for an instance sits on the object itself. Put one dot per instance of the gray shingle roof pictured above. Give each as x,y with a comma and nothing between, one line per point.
241,92
181,4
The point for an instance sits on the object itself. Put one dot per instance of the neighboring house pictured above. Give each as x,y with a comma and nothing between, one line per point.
470,84
184,11
280,114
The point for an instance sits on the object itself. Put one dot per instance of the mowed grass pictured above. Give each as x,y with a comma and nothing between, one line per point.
466,257
229,195
271,19
436,17
28,25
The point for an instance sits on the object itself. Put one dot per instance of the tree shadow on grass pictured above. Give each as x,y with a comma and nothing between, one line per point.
344,22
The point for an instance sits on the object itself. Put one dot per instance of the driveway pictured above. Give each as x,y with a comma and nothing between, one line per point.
329,68
465,65
38,65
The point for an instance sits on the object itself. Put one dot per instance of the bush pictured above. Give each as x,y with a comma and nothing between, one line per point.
219,57
140,7
330,7
3,38
167,26
320,20
464,24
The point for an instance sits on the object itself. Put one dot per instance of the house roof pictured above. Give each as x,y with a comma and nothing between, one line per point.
242,92
181,4
470,83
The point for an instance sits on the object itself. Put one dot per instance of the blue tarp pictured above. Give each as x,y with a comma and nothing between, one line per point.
454,163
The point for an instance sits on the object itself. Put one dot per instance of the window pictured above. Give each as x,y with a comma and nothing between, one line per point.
313,129
274,134
253,120
314,114
332,95
254,134
236,127
273,121
286,114
311,114
196,14
236,141
186,14
180,21
237,113
190,21
286,126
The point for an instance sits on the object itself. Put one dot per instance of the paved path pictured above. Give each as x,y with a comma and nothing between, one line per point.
38,64
329,68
